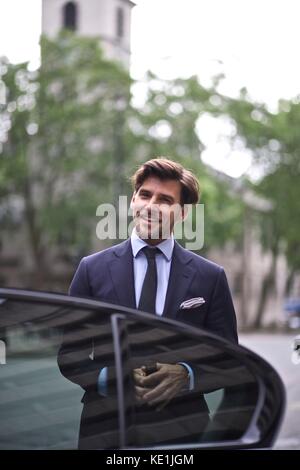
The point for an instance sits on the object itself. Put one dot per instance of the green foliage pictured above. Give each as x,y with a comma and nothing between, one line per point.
75,136
166,125
15,119
275,141
223,214
58,155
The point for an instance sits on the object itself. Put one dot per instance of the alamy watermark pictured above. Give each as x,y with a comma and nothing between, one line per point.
156,222
2,352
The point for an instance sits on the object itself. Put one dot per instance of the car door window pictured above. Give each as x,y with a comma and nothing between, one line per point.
40,408
67,380
227,403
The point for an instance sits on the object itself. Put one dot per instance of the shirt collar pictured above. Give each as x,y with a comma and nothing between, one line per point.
166,246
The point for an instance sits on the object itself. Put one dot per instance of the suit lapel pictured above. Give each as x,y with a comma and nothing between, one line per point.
121,270
181,276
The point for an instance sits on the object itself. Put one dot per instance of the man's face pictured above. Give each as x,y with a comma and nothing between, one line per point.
156,208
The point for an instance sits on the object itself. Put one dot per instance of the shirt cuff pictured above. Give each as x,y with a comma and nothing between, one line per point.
191,375
102,382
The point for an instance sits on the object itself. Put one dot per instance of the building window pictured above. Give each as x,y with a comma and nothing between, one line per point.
70,16
120,23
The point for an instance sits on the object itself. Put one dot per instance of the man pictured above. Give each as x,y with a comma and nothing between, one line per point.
152,272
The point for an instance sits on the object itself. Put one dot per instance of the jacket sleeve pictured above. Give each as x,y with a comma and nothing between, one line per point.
75,354
80,286
221,318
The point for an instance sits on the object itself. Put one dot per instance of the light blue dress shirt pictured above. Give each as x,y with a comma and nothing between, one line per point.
163,265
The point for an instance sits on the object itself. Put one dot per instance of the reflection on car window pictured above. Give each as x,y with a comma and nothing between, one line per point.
40,408
218,408
68,380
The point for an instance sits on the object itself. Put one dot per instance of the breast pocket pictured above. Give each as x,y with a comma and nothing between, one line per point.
193,316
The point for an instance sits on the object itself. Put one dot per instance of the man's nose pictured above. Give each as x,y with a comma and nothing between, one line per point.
151,202
152,205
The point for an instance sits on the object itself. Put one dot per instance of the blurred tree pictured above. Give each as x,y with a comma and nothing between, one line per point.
57,155
72,132
16,129
165,123
274,140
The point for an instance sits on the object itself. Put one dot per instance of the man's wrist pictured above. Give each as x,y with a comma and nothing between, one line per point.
190,375
102,382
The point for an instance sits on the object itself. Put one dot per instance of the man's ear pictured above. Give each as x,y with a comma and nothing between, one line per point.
184,212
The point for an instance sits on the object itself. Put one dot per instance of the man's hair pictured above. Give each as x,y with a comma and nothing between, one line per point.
166,169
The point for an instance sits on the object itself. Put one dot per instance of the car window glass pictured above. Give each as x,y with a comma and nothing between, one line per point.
53,353
40,408
221,405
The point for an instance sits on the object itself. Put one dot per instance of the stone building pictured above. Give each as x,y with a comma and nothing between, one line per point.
110,20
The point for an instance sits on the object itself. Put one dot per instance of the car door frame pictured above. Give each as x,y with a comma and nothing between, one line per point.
117,313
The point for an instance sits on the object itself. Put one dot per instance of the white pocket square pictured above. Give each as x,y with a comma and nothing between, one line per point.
192,303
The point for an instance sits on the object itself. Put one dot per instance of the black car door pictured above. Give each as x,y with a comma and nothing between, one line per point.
67,380
237,399
47,347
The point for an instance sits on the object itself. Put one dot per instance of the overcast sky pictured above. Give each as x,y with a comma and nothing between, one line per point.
255,42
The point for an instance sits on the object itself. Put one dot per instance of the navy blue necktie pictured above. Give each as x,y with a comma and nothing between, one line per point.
148,294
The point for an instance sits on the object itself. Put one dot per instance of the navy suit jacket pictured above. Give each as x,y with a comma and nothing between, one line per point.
108,276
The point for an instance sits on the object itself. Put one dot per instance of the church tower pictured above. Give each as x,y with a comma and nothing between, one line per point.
109,20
